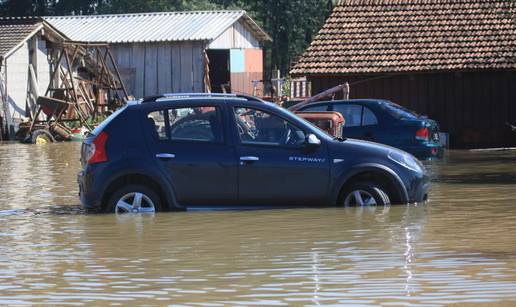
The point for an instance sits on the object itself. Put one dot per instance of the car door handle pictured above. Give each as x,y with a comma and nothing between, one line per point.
165,156
248,159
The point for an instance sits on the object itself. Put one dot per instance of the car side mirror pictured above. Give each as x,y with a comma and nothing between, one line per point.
312,140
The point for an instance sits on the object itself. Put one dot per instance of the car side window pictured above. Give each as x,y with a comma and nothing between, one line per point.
318,108
368,118
198,124
156,124
262,128
352,114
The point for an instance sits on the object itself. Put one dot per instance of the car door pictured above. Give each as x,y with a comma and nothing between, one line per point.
276,166
190,145
370,126
360,121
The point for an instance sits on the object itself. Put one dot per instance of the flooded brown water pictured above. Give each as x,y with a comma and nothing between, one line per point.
458,248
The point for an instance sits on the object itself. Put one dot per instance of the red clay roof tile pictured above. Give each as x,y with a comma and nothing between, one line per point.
381,36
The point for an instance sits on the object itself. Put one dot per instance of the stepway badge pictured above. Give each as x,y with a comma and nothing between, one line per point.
306,159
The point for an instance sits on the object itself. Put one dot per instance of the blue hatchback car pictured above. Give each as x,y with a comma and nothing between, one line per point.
179,151
385,122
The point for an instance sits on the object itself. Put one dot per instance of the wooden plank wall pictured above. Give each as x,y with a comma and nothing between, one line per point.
472,106
236,36
17,74
155,68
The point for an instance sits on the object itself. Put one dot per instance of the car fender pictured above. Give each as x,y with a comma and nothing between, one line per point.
367,167
164,185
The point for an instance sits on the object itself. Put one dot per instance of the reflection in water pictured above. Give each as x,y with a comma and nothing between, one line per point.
459,248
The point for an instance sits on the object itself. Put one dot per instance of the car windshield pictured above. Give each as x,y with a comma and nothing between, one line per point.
398,111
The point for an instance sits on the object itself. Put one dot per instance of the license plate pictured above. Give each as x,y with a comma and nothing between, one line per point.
436,136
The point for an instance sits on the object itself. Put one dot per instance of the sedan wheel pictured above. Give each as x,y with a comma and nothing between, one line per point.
135,202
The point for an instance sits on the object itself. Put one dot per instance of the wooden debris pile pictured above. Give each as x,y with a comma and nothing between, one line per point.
84,88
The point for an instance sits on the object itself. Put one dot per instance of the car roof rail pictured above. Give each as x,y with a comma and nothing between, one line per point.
249,98
198,95
151,98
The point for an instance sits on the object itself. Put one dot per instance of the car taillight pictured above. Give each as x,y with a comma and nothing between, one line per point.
96,151
423,134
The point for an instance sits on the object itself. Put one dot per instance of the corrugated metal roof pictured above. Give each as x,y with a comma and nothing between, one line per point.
152,27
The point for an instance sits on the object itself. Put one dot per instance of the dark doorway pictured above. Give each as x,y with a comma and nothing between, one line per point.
219,70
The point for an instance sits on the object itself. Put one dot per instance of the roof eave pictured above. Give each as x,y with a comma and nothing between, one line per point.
264,37
400,72
23,41
58,33
42,25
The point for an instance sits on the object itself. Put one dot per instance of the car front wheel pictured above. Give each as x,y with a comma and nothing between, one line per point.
134,199
364,194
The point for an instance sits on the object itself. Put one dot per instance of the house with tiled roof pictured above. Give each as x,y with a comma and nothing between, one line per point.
24,68
453,60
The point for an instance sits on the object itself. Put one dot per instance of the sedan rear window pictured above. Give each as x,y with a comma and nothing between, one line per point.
398,111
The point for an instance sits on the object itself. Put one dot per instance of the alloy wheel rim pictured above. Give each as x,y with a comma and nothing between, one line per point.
135,202
360,198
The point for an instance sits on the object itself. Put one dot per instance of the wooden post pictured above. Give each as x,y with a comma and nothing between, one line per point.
34,91
55,74
6,120
115,66
277,81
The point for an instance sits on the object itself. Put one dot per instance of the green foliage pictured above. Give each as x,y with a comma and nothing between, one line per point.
291,23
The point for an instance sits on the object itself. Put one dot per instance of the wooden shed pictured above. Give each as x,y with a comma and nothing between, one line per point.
25,68
174,52
454,61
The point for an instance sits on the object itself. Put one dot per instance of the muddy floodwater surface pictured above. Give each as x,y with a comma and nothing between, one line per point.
458,248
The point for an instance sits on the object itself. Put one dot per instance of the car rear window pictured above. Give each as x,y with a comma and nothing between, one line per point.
398,111
106,122
194,124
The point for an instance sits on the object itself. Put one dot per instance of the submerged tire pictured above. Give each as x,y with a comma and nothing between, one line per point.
364,194
42,137
134,198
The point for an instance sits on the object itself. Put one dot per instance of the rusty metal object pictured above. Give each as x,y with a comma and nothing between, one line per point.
330,122
85,83
61,130
344,88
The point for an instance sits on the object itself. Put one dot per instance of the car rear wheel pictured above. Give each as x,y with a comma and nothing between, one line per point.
365,194
134,199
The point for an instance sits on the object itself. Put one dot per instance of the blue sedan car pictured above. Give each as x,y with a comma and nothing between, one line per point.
385,122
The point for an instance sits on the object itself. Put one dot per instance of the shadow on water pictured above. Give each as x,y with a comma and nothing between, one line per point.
477,178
